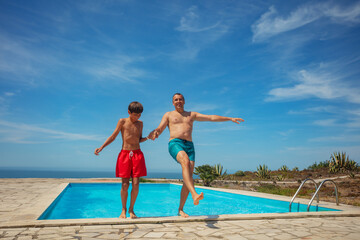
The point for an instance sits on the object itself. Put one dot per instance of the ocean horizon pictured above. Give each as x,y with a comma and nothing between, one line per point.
43,173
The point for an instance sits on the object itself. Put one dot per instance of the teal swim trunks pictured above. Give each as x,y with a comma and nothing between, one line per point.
176,145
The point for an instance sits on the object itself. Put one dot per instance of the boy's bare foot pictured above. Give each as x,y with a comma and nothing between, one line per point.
123,213
198,198
132,214
183,214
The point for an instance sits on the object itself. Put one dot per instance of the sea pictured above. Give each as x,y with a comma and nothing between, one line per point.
41,173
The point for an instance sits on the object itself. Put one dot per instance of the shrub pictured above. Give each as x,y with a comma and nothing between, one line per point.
206,173
324,164
263,172
239,173
284,168
295,169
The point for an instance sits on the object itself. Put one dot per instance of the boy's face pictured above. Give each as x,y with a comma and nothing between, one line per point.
134,116
178,101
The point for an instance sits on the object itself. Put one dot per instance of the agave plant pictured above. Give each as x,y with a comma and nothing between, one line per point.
263,172
219,171
284,168
280,178
340,162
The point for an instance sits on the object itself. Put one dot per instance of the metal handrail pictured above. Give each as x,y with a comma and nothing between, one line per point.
293,198
336,193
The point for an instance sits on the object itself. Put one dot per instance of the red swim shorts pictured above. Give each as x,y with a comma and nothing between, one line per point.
130,163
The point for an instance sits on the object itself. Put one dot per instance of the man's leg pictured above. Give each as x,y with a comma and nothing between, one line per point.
134,193
183,159
124,195
185,193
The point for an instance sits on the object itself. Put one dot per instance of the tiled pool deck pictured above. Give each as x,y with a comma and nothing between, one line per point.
23,200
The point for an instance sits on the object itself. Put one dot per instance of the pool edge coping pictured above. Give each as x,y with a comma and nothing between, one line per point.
40,207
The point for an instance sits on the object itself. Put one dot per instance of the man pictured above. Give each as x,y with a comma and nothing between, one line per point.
181,147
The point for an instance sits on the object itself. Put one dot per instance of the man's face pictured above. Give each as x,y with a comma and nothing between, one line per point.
134,116
178,101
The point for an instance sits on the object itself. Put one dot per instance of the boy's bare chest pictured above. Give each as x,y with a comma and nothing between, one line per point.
132,129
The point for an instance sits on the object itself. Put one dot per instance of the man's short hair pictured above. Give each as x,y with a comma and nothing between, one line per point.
178,94
135,107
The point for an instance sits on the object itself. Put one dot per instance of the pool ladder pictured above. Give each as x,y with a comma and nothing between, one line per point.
316,192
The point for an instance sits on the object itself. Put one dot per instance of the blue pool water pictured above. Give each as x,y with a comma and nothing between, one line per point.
102,200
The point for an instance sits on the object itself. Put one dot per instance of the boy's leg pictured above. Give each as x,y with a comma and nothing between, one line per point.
134,193
185,193
124,195
183,159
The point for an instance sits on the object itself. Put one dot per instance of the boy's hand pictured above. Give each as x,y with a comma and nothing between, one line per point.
237,120
152,135
98,150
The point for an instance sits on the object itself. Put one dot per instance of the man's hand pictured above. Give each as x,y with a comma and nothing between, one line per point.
98,150
154,134
237,120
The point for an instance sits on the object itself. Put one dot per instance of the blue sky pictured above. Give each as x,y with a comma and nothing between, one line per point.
69,69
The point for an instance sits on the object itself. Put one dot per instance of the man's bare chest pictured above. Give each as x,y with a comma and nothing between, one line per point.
179,119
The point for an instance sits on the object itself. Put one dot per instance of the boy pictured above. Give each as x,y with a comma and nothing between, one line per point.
131,161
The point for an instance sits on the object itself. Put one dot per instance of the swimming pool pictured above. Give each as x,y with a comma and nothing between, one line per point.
102,200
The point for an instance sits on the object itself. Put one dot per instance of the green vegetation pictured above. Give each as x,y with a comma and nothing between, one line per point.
284,168
263,172
144,180
219,171
295,169
280,177
239,173
324,164
206,173
340,162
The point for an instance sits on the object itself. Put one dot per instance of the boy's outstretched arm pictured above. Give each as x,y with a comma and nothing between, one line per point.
112,137
163,124
216,118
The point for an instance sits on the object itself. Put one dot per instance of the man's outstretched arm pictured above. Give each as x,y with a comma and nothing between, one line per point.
163,124
215,118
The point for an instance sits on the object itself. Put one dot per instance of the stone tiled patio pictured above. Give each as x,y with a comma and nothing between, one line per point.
23,200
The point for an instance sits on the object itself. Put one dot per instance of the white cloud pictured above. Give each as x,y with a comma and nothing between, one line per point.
198,30
318,83
119,68
191,22
312,110
348,138
271,24
26,133
325,122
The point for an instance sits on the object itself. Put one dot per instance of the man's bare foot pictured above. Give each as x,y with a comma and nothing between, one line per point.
123,213
198,198
183,214
132,214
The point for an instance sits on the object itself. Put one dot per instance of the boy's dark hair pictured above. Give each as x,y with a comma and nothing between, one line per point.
178,94
135,107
